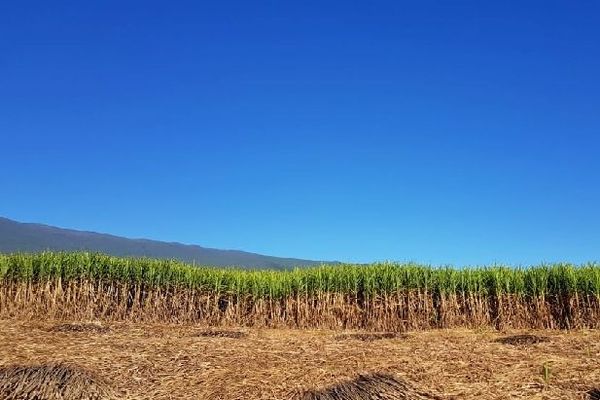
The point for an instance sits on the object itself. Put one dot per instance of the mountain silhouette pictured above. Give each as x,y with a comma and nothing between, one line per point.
30,237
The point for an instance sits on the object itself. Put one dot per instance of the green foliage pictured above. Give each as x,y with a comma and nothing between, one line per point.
546,372
366,282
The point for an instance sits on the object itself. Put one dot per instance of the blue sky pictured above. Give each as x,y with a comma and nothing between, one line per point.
464,133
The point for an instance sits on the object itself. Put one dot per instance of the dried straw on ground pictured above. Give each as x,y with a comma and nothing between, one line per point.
51,382
372,386
594,394
522,340
369,336
171,361
224,333
81,327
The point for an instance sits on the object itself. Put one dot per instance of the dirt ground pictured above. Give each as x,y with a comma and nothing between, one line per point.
144,361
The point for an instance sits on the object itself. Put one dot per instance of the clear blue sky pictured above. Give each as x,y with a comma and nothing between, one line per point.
463,133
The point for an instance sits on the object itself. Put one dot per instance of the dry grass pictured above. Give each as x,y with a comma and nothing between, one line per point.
93,327
51,382
594,394
372,386
162,361
522,340
231,334
369,337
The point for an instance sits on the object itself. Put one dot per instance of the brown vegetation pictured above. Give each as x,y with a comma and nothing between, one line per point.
369,337
401,312
170,361
222,333
371,386
522,340
51,382
80,327
594,394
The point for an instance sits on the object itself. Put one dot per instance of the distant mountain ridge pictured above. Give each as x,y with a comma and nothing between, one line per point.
30,237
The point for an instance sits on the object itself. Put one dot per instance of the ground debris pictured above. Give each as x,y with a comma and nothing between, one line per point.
222,334
372,386
370,337
93,327
522,340
594,394
51,382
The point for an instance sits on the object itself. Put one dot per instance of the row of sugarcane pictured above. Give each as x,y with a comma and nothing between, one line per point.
383,296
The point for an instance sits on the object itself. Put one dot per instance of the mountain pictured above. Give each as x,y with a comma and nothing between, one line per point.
26,237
